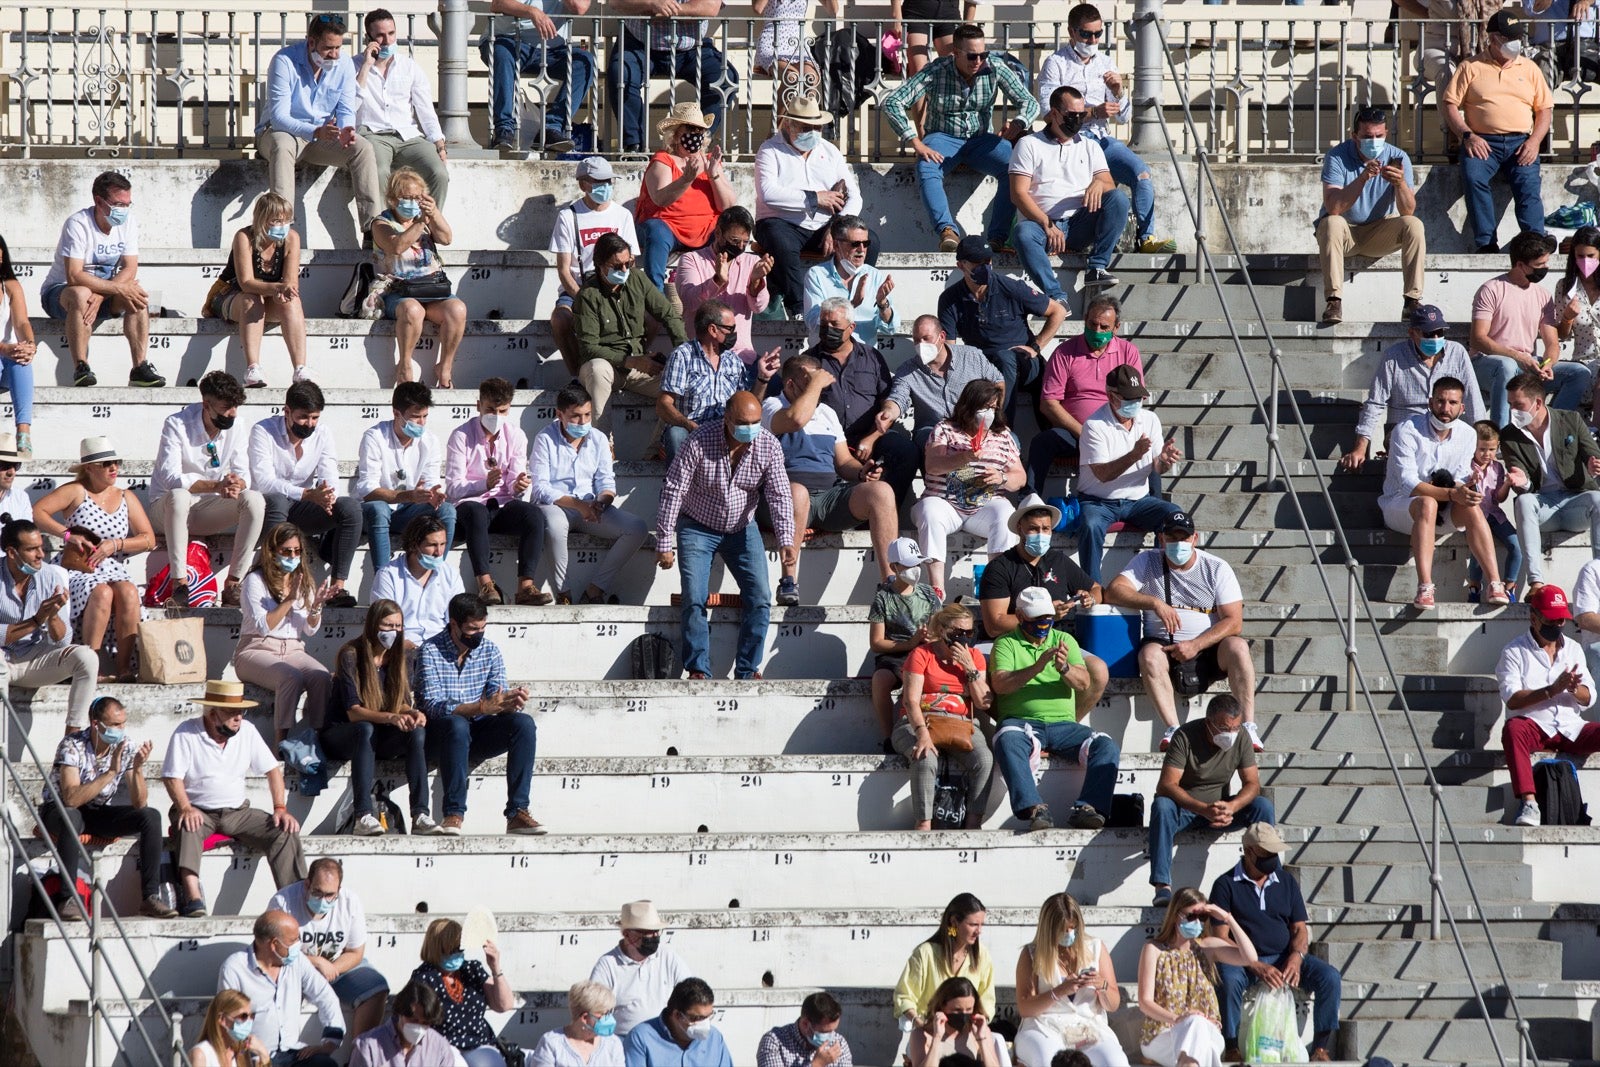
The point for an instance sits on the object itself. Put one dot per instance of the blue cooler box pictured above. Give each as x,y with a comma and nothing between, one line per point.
1113,635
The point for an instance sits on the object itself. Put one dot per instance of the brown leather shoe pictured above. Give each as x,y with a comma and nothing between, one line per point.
948,239
1333,311
491,595
230,593
524,824
1231,1054
536,598
451,825
153,908
178,596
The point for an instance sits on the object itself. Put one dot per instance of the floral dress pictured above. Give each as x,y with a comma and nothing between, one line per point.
1181,987
109,525
1585,328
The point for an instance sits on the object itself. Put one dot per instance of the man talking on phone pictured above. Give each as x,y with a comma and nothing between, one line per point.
36,645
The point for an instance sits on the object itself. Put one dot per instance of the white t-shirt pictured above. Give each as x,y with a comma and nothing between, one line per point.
1104,439
214,775
343,927
100,252
16,503
1060,172
1197,591
578,228
1586,597
642,989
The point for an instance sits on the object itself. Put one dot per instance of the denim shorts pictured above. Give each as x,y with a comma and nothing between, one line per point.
50,300
359,984
391,301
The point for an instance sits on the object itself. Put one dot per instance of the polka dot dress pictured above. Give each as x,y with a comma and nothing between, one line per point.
464,1025
112,525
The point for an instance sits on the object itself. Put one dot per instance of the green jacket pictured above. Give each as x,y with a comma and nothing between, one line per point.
1573,444
610,326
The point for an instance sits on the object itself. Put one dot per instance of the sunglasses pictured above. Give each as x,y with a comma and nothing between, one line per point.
975,57
6,468
211,451
1434,334
856,244
1090,35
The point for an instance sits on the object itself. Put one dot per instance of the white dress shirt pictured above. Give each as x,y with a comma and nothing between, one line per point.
1415,453
1524,665
425,607
1586,599
1063,67
274,468
788,181
182,457
396,103
278,1004
385,463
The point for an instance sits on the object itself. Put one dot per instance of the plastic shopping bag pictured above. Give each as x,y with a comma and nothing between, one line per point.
1268,1030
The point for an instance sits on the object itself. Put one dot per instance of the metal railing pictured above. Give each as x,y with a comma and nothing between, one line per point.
165,1049
158,79
1355,609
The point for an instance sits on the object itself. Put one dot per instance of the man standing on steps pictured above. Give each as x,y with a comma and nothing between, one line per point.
95,275
1266,902
1404,381
639,971
714,484
1546,686
1369,205
1551,462
1428,480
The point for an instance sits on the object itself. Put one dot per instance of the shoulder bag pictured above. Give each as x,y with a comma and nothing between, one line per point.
1185,673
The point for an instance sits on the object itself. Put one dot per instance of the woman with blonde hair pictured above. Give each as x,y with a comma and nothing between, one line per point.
226,1037
467,989
590,1039
281,606
1178,982
408,235
1066,986
944,686
261,284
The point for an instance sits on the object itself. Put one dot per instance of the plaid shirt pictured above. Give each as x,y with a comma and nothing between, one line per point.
954,107
784,1046
701,391
442,686
703,484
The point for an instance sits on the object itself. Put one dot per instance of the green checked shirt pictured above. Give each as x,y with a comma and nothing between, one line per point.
954,107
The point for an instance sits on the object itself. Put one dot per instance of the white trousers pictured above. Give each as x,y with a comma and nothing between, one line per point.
936,520
1193,1036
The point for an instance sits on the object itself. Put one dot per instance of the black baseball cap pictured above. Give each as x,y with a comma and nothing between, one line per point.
1178,524
1508,23
973,249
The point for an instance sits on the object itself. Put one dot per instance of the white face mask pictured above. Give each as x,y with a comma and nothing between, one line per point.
911,575
490,421
1511,49
412,1032
1225,740
1521,419
1086,49
986,418
927,351
698,1031
1438,424
387,638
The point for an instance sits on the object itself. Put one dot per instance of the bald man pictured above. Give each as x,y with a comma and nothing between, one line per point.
278,979
708,506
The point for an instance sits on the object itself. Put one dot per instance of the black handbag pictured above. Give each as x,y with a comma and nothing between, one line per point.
435,286
949,798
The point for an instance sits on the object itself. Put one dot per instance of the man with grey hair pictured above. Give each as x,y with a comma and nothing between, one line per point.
278,978
929,385
865,290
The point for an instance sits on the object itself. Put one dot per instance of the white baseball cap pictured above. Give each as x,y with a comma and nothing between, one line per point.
905,552
1034,603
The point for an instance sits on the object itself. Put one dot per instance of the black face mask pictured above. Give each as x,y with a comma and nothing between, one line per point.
958,639
648,945
958,1020
1548,631
693,141
730,251
832,338
1268,863
469,641
222,422
1070,122
725,345
1537,276
301,432
227,732
980,274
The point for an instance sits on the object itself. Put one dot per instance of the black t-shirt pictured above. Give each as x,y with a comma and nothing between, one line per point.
1011,573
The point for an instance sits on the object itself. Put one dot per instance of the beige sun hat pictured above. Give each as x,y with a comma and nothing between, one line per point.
685,114
221,694
92,450
640,915
806,111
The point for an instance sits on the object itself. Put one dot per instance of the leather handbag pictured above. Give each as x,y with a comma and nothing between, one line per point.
949,725
435,286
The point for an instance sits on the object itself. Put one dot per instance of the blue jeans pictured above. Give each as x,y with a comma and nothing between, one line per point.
1554,509
456,744
1167,821
1571,385
1476,174
1097,515
1505,534
673,438
627,72
17,379
746,559
1013,747
656,243
987,154
1098,231
1317,977
385,520
1126,168
573,70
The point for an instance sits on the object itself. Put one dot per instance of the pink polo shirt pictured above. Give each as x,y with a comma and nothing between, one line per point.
696,279
1076,377
466,461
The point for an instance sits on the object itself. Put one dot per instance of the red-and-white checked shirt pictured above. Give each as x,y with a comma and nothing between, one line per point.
704,484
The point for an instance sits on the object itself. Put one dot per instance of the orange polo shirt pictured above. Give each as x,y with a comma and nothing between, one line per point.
1496,99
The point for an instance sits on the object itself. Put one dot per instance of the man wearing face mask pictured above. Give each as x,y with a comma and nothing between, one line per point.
411,1036
1500,107
1546,686
1404,381
1074,386
802,184
397,475
310,117
702,374
813,1040
579,226
205,771
714,485
1062,185
1428,480
420,580
990,311
1552,463
394,108
683,1034
928,385
848,276
640,971
278,978
37,646
1514,331
333,939
1265,901
1369,205
609,320
1192,793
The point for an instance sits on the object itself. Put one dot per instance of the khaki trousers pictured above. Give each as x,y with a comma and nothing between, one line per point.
180,513
284,151
601,378
249,827
1337,239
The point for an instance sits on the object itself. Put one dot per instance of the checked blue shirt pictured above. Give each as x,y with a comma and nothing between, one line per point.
442,687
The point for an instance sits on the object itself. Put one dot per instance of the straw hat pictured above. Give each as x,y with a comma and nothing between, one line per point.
685,114
1033,502
8,448
220,694
806,111
640,915
92,450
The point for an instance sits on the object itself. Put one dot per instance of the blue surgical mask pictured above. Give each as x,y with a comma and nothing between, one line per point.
453,962
1431,346
118,216
745,432
112,735
1179,552
408,209
1036,544
617,277
413,430
241,1029
1069,938
575,429
1037,627
430,563
319,905
601,194
819,1040
386,51
292,957
28,570
278,233
1129,408
808,140
606,1025
290,564
1191,928
1372,147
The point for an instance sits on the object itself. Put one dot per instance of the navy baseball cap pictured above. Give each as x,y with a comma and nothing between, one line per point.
973,249
1427,317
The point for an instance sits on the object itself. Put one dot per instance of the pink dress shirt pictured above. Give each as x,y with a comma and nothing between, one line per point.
466,462
696,279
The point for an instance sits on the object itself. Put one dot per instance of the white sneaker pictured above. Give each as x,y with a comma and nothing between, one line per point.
1530,814
1166,738
303,374
369,826
253,378
1255,738
422,825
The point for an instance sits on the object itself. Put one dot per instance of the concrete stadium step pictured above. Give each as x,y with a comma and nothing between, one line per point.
1324,804
1429,1041
1425,961
1402,883
1370,1003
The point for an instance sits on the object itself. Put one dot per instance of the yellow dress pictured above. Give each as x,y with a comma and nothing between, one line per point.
1181,987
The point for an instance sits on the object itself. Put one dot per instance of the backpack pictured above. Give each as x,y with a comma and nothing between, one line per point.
355,294
204,589
949,798
653,656
1555,786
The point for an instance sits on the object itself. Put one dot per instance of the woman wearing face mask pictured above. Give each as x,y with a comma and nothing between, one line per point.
955,1026
1578,300
280,607
411,1036
945,676
1178,982
227,1037
407,237
371,717
955,950
1065,987
589,1040
261,284
466,990
683,191
971,461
